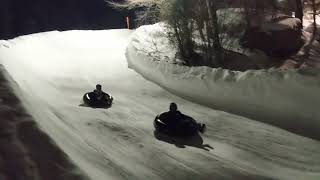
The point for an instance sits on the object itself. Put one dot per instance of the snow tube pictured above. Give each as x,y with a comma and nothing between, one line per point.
182,126
91,100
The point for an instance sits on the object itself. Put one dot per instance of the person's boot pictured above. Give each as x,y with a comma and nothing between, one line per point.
202,128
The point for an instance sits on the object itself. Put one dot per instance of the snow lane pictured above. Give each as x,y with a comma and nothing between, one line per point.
55,69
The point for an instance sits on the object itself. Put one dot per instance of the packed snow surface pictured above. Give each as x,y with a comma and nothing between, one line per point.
53,70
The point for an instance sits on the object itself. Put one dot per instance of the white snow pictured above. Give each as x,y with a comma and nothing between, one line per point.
287,99
53,70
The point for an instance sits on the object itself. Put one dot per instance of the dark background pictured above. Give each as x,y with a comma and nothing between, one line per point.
20,17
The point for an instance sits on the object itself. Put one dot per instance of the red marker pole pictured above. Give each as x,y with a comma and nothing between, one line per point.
128,22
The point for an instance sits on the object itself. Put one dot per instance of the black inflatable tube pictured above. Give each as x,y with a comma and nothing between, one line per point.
88,99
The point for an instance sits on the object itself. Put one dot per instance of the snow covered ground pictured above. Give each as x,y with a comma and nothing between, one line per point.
289,99
53,70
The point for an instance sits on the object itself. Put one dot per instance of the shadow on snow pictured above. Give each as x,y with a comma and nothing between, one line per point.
182,142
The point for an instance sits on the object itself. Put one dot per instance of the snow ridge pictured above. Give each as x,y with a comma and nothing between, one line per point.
289,100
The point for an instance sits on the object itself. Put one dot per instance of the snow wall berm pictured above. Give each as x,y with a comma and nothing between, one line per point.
290,99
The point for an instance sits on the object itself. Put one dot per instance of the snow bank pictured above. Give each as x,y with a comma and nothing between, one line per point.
26,152
288,99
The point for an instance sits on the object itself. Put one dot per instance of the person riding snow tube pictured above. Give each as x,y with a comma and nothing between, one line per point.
97,98
175,123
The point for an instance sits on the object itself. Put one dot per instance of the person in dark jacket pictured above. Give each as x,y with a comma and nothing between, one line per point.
175,122
173,109
173,115
99,93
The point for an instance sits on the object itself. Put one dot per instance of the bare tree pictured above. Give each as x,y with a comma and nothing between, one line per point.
314,15
213,17
299,10
192,20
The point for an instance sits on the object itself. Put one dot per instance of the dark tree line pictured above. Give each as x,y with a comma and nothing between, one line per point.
19,17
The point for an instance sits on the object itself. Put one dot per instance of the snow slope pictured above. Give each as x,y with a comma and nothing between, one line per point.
53,70
288,99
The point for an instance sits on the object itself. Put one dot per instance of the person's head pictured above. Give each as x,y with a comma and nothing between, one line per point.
98,87
173,106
